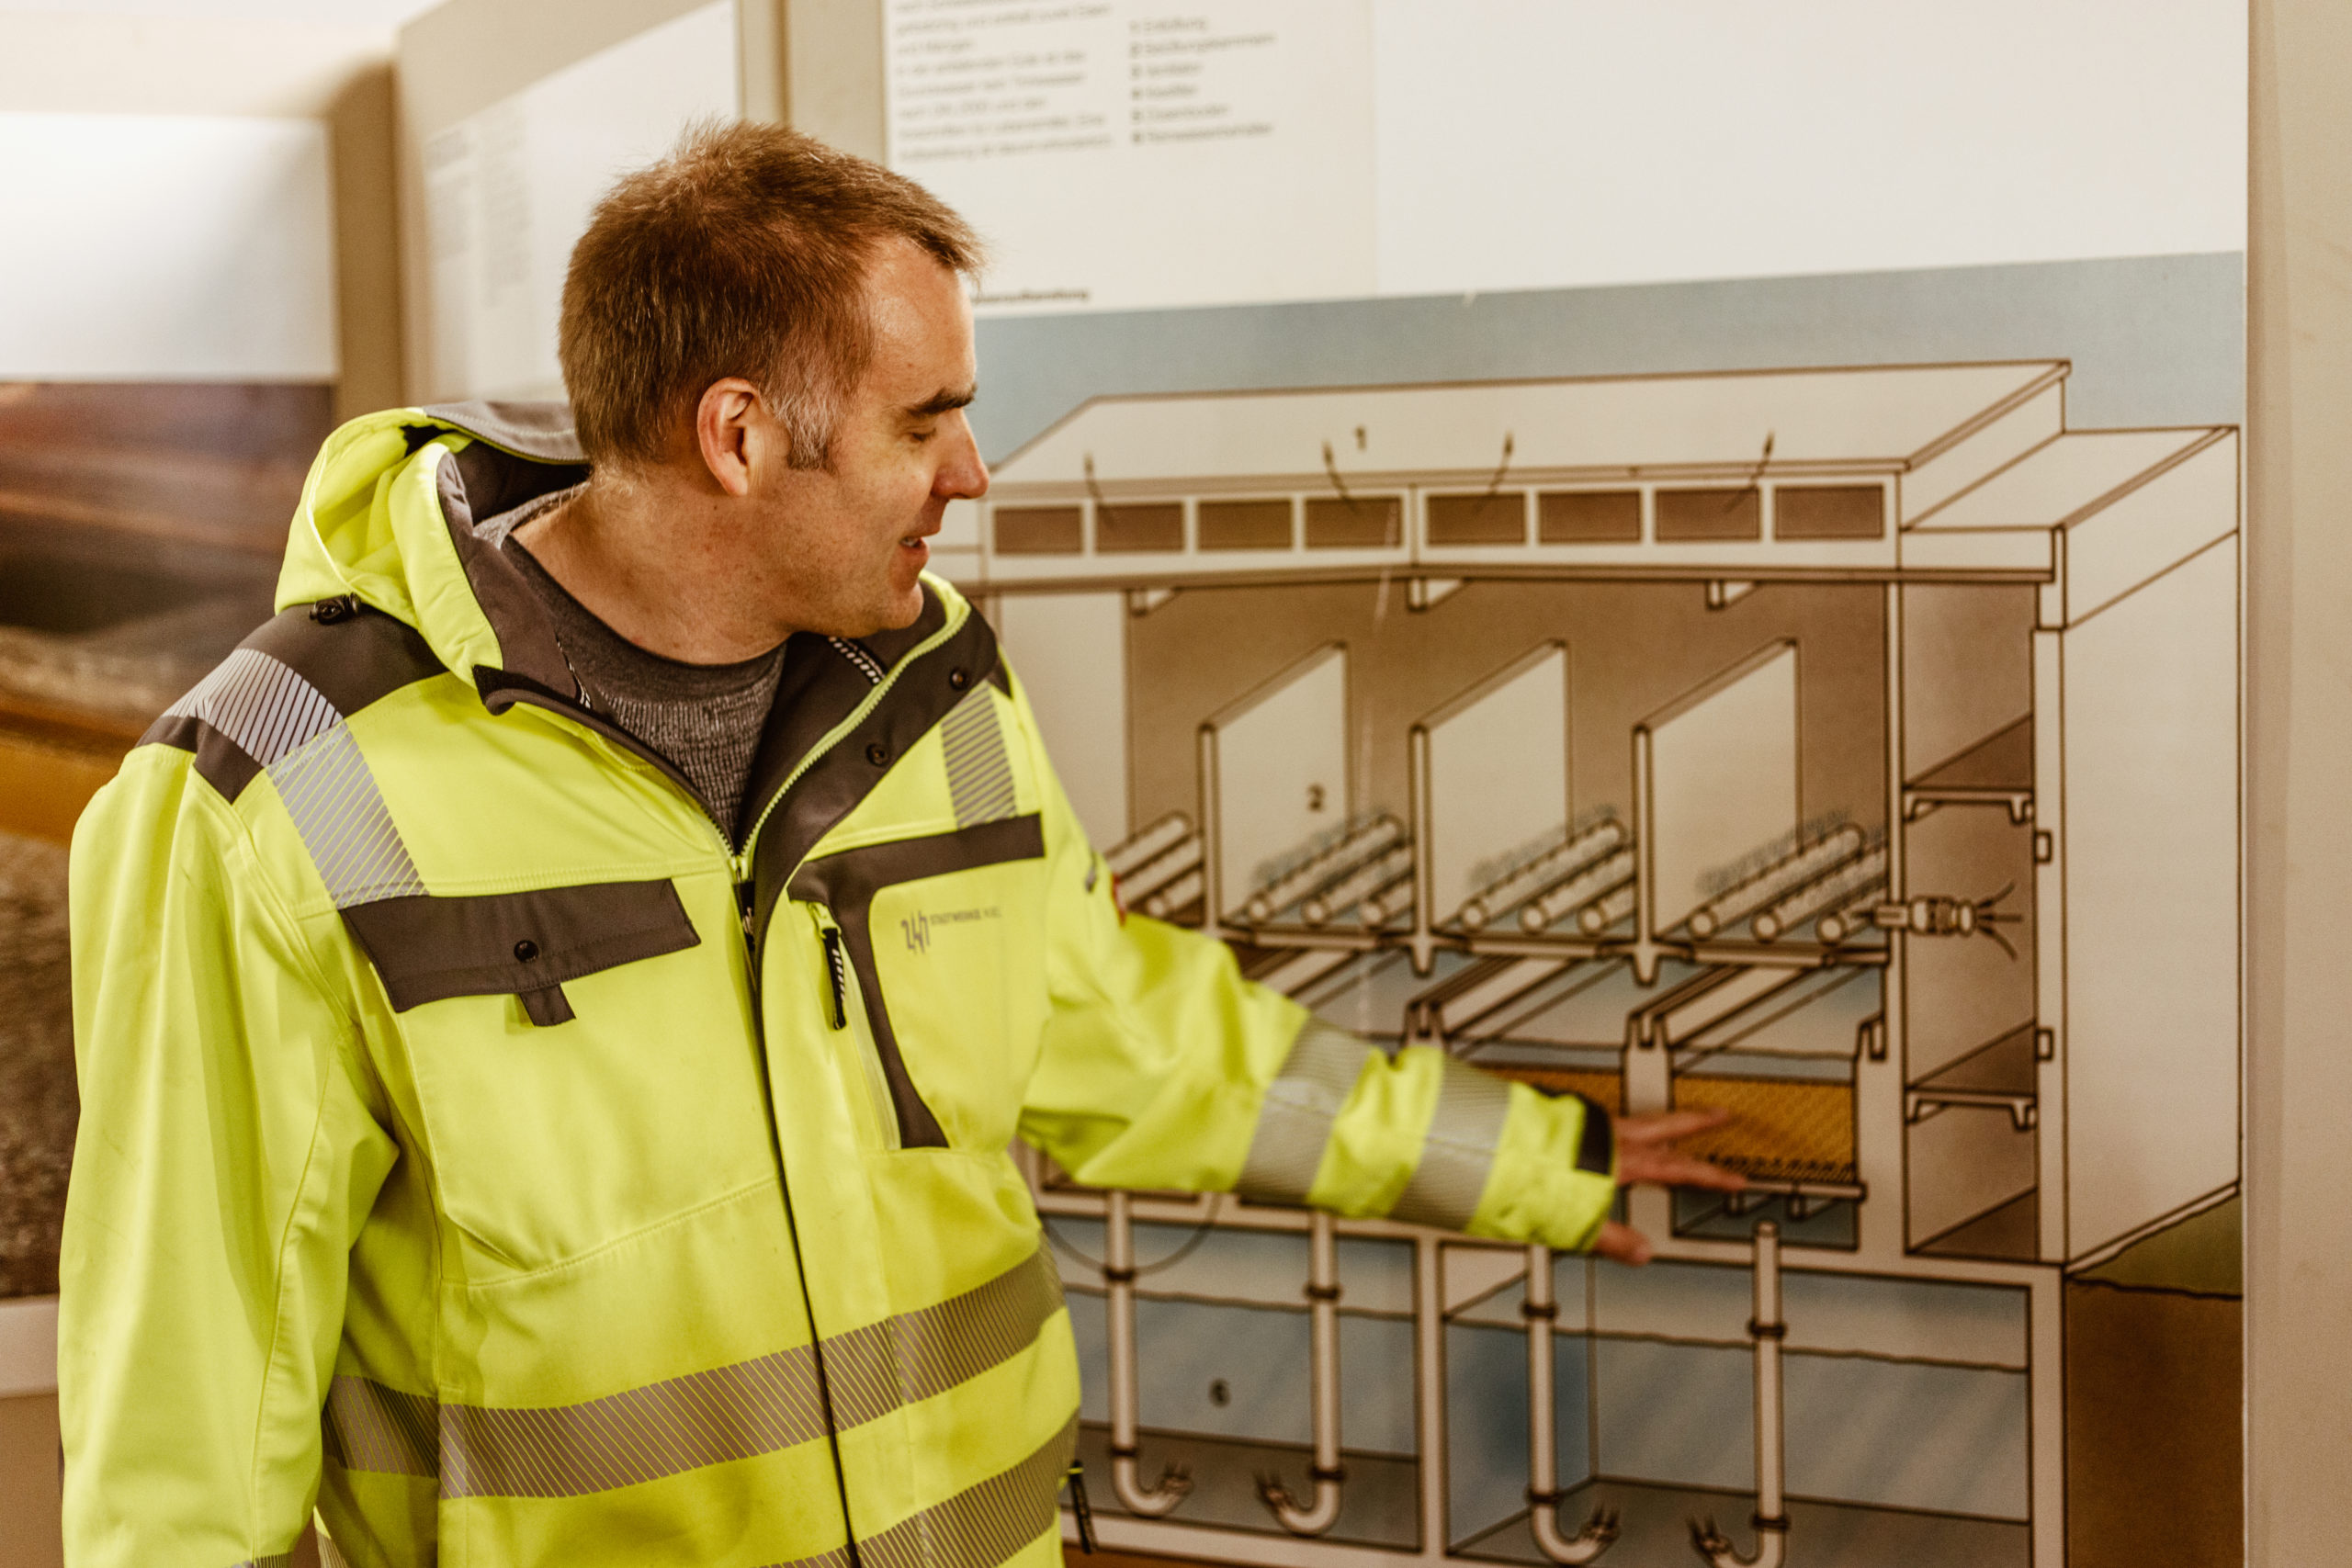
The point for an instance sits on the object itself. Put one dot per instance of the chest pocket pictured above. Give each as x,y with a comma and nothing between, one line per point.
520,945
944,933
568,1046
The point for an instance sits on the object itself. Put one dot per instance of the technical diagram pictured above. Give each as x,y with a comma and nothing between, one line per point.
1855,750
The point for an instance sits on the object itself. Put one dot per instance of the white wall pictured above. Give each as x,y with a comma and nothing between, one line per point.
167,247
231,157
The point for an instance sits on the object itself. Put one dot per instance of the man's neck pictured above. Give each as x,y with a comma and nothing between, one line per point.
640,560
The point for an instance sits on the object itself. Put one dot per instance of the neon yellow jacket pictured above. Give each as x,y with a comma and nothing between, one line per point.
477,1145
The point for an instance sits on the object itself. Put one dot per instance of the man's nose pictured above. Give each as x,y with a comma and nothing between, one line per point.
964,476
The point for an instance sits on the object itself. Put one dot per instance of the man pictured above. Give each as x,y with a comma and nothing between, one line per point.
504,1123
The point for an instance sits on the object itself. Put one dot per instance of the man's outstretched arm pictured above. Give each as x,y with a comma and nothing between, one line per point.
1163,1067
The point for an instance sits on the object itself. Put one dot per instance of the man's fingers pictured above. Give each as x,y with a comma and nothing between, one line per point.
1667,1126
1623,1243
1666,1167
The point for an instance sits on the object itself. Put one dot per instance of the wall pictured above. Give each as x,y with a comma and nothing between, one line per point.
157,65
245,74
2299,1077
2300,1355
816,64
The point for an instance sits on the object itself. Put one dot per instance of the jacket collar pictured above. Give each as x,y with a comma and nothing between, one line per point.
395,507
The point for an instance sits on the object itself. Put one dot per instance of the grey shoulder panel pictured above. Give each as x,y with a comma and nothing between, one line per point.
355,656
302,672
220,762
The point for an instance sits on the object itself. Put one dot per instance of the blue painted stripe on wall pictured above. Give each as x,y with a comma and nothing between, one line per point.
2154,340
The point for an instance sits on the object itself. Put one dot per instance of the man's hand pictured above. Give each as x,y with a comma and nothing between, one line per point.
1645,1152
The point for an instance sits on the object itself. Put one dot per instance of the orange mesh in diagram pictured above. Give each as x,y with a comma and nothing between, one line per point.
1780,1131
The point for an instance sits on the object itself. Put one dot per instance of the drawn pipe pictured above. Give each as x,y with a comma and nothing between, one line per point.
1323,1367
1539,1311
1546,871
1386,905
1766,1329
1161,869
1603,912
1839,888
1382,871
1157,840
1323,869
1853,914
1119,1281
1178,896
1775,881
1594,883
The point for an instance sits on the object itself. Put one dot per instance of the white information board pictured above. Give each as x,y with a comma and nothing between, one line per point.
508,192
1118,153
1124,155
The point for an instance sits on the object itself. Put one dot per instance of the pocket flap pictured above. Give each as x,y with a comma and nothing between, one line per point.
516,944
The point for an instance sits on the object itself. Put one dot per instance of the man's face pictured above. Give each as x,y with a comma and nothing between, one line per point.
841,549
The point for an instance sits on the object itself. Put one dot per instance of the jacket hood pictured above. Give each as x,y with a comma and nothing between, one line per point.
391,514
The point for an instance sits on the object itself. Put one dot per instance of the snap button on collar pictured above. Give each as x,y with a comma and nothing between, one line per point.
525,951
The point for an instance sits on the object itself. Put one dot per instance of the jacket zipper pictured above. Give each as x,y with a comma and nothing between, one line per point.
837,973
847,1015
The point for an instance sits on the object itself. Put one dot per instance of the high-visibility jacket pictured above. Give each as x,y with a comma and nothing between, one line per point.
480,1145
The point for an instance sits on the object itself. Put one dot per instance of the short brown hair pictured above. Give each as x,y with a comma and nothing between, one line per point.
743,252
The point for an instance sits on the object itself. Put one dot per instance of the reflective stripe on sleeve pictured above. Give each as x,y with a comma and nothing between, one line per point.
1302,1105
1458,1151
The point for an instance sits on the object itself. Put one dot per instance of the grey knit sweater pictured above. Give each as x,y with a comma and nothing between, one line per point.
707,718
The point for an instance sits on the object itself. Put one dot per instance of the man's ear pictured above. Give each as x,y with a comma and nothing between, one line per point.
728,434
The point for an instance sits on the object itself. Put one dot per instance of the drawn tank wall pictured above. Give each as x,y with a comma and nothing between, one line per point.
1634,646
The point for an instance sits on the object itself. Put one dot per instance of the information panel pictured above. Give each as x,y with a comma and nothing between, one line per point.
508,192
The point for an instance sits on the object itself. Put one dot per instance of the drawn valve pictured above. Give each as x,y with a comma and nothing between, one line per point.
1939,916
1544,1465
1119,1275
1767,1328
1323,1352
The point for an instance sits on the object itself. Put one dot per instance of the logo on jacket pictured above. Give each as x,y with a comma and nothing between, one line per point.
916,928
